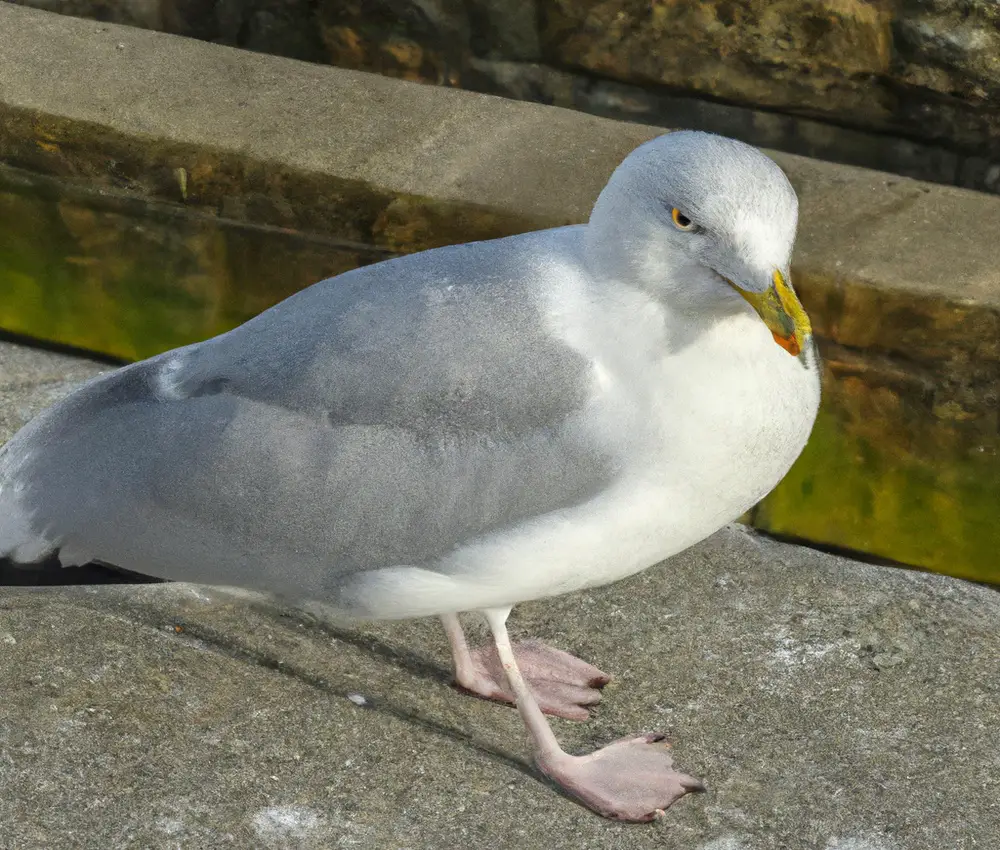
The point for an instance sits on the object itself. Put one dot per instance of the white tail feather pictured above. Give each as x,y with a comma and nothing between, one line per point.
18,540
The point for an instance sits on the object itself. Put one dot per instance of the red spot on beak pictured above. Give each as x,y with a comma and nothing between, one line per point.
789,343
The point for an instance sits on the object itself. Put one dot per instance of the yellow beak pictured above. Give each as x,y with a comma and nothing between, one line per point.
782,312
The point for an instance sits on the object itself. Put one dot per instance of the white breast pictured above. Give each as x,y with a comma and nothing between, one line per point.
704,430
705,434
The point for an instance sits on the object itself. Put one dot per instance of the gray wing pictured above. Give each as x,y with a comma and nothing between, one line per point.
381,418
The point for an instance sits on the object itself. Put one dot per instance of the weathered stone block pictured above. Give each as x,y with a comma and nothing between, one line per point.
950,46
815,56
504,30
421,41
104,274
904,461
923,69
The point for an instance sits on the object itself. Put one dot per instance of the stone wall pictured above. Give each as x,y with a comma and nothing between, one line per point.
904,85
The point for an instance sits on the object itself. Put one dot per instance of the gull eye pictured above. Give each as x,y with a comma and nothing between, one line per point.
681,221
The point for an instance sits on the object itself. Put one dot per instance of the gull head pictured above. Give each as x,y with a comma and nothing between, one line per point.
705,223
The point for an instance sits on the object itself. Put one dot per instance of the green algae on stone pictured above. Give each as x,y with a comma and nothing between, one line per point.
904,461
80,271
86,156
929,502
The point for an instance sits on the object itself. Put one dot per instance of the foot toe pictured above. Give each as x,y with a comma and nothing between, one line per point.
558,665
561,700
631,779
563,684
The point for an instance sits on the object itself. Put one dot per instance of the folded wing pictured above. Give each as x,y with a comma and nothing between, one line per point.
381,418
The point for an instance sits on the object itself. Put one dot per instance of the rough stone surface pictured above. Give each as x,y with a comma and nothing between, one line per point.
908,436
769,129
31,379
104,272
808,56
926,71
422,41
825,703
922,70
352,155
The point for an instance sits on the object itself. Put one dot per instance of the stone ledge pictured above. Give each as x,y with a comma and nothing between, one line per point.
110,104
32,379
902,278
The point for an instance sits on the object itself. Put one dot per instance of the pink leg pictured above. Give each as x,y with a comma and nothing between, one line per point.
631,779
563,685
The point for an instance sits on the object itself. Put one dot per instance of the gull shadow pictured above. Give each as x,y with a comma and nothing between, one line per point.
409,661
395,656
48,572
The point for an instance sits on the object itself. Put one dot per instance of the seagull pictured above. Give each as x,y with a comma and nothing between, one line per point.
464,429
